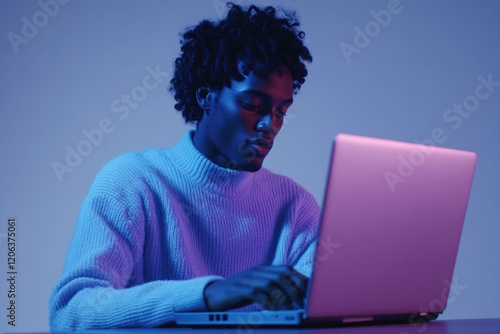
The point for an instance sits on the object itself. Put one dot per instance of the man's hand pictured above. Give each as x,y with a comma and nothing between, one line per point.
274,287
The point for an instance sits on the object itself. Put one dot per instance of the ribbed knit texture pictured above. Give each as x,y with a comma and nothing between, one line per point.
156,227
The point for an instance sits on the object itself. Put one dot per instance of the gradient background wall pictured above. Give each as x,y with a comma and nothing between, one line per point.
64,77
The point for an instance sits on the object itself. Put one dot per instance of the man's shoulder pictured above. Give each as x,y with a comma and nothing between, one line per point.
134,165
137,159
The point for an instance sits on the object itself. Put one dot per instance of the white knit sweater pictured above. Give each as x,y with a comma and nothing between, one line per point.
157,226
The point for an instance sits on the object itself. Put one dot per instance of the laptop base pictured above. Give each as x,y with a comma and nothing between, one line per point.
294,318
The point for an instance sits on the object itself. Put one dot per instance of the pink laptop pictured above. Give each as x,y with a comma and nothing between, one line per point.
390,228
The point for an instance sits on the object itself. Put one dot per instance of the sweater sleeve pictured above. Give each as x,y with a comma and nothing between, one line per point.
102,284
306,231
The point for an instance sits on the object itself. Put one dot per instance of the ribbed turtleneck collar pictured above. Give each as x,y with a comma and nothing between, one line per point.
203,171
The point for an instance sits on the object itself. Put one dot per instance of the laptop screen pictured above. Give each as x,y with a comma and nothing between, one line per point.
394,212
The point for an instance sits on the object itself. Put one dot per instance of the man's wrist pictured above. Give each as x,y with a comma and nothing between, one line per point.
205,295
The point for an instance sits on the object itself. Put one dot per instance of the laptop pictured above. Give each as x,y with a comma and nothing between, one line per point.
388,238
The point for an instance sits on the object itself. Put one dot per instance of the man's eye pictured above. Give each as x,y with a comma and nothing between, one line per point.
251,107
280,113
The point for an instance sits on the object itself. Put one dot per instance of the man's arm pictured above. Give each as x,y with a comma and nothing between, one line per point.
103,285
305,237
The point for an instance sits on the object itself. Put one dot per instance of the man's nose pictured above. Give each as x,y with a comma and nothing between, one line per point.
268,124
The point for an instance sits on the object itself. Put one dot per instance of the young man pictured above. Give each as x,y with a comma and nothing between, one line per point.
200,226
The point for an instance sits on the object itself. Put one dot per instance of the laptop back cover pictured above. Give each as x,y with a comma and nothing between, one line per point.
394,212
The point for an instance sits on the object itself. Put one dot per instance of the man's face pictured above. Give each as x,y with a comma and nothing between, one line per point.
244,119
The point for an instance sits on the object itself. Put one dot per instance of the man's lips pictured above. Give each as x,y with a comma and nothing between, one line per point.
262,146
264,143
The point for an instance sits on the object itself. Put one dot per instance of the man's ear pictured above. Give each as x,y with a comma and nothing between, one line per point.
203,96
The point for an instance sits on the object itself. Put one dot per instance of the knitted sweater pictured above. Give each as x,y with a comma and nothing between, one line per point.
156,227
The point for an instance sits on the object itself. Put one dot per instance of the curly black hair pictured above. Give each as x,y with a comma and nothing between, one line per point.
212,51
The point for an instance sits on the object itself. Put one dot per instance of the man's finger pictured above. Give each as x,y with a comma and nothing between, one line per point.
265,290
295,280
285,280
